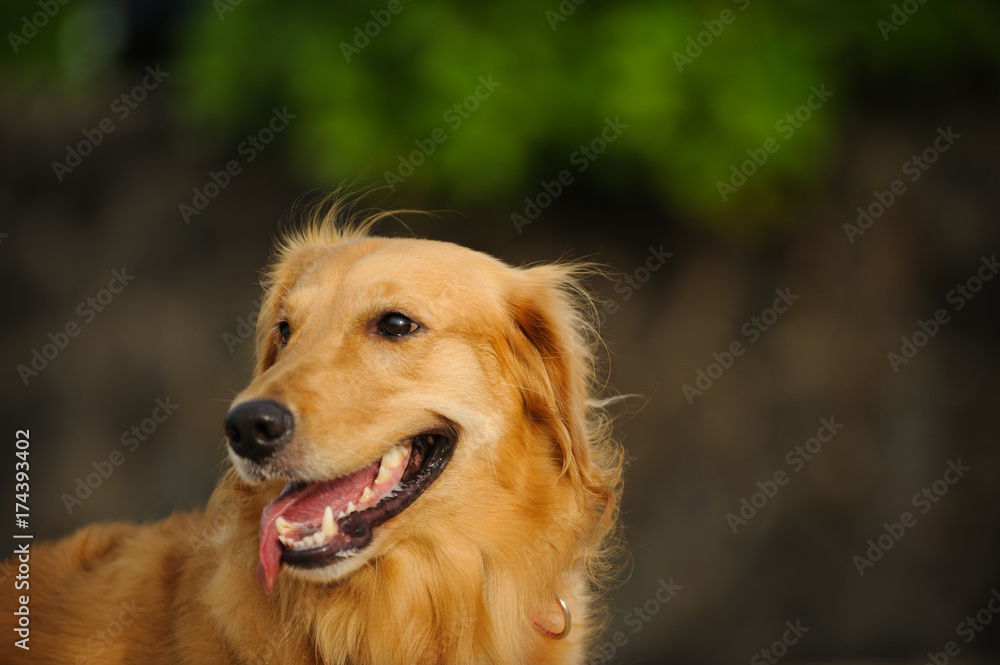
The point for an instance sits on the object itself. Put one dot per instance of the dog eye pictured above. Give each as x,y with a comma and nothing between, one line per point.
395,324
286,331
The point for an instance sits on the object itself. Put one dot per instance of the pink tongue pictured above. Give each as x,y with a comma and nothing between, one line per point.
305,506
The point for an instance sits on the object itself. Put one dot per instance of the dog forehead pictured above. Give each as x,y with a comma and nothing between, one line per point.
405,268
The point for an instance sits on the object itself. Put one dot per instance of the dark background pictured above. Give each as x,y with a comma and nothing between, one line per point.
688,124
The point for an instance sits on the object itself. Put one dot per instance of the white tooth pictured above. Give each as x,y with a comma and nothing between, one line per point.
319,538
384,474
392,458
308,541
351,507
367,495
286,541
329,526
283,525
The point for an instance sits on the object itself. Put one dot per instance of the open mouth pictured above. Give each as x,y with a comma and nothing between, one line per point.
311,525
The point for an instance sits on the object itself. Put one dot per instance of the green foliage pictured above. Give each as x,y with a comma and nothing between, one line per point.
362,106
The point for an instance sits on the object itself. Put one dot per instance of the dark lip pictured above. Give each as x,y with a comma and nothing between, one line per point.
358,527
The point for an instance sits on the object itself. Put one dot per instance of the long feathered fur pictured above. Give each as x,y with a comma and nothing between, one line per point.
530,513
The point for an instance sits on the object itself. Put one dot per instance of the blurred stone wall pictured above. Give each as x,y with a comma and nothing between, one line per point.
691,590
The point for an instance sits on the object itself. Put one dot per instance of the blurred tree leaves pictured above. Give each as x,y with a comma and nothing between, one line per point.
360,114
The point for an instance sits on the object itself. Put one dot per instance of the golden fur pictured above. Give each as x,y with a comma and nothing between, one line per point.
524,509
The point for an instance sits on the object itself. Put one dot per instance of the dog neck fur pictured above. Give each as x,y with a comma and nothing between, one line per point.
440,597
439,602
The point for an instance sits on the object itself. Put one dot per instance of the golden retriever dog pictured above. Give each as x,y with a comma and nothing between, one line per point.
419,474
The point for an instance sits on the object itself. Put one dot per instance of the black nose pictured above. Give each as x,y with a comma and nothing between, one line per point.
257,429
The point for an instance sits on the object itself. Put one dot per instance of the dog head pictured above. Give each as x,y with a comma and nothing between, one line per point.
418,399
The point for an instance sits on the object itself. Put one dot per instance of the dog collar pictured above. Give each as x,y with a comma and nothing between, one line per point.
566,622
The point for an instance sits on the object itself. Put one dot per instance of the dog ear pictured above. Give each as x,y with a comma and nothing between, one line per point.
289,261
554,367
296,251
328,222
